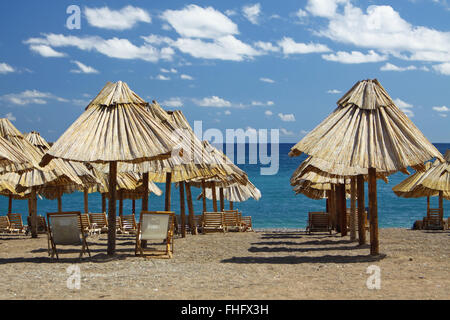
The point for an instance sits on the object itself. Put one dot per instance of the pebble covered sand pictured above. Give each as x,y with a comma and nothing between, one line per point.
268,264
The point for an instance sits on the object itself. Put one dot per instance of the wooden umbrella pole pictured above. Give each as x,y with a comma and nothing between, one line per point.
204,195
120,203
145,195
327,201
373,212
30,206
337,209
231,205
103,202
428,206
86,204
33,213
10,204
182,210
441,205
191,209
222,200
361,209
214,196
343,211
168,187
331,205
353,209
133,208
112,208
59,203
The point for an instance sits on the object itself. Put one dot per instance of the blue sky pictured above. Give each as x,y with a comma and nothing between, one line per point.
231,64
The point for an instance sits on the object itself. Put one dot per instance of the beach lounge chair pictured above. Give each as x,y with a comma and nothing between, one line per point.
5,226
100,219
155,226
64,229
213,222
232,220
128,224
41,225
434,220
246,222
318,222
86,225
16,224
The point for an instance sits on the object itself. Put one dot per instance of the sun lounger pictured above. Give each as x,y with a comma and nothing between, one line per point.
88,227
5,226
155,226
128,224
64,229
41,225
246,222
318,222
434,220
232,220
16,224
213,222
100,219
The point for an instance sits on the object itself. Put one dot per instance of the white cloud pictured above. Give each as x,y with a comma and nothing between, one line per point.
266,46
230,12
354,57
301,14
173,103
172,70
157,40
287,117
443,68
334,91
268,113
286,132
10,116
304,132
224,48
441,109
162,77
227,112
268,80
392,67
123,19
213,101
259,103
113,48
46,51
6,68
186,77
405,107
252,12
82,68
289,46
30,97
198,22
323,8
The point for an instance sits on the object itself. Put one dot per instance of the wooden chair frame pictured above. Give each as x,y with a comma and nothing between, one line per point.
321,227
100,219
16,223
127,225
168,252
213,226
52,246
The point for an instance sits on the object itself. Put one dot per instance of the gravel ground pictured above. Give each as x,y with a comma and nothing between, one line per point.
268,264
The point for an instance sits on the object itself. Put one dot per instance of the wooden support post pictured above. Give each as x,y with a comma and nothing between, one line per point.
231,205
112,208
222,200
145,195
332,205
361,209
59,204
33,213
120,203
103,202
214,196
352,221
30,206
428,206
343,210
204,195
192,226
338,206
441,205
86,204
182,209
133,208
10,204
327,201
168,190
373,212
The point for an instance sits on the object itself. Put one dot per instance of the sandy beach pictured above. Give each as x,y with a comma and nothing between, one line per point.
267,264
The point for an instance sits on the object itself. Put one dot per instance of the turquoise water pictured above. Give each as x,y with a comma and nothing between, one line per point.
279,207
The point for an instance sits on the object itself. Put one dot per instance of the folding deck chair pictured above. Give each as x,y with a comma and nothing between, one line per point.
155,226
15,220
232,220
100,219
127,224
213,222
64,229
5,226
318,222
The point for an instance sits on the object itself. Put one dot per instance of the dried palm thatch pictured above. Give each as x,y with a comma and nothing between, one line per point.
36,140
436,178
366,130
13,159
114,127
235,193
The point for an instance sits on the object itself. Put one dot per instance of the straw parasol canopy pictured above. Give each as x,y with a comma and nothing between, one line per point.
367,134
36,140
115,127
430,183
236,193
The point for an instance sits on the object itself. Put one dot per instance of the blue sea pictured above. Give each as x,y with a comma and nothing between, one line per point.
278,207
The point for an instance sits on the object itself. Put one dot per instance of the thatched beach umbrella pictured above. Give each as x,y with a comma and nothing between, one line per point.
365,135
435,181
115,127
